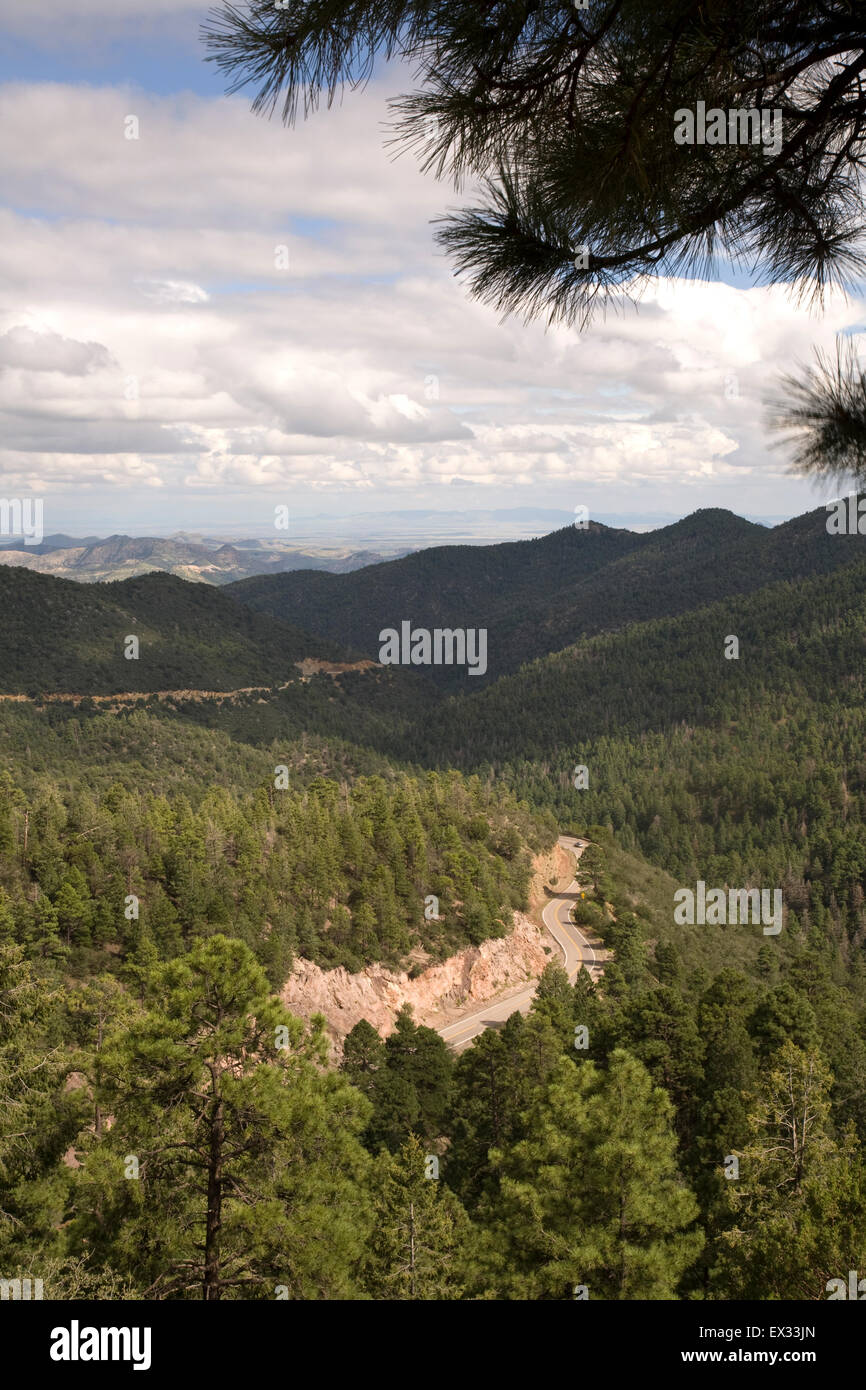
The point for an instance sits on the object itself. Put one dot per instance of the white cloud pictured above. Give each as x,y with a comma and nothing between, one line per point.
174,292
208,164
147,336
50,352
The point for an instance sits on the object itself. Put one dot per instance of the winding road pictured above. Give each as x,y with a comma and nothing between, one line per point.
576,950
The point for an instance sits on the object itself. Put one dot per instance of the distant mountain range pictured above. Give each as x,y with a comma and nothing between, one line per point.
534,598
538,596
91,559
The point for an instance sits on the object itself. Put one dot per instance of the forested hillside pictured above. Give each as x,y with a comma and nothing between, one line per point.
794,638
412,1174
56,635
536,597
300,865
712,766
451,586
162,867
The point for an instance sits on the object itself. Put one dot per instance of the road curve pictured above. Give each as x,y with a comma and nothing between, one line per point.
575,948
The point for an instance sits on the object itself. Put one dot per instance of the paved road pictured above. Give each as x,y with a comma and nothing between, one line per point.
575,948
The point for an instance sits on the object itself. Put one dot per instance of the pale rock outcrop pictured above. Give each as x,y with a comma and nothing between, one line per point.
443,992
438,995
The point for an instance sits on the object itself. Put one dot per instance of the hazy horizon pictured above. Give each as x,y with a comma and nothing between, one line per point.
412,528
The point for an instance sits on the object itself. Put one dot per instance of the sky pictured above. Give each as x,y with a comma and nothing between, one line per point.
223,316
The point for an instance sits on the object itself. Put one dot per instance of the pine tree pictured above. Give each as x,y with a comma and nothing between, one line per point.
592,868
658,1026
784,1015
247,1174
419,1234
419,1057
481,1113
591,1196
38,1117
819,414
798,1208
363,1057
554,1000
95,1010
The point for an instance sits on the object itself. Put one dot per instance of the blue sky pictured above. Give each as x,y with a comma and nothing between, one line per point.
161,370
156,45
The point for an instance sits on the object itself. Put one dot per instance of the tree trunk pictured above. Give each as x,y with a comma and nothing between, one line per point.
411,1249
97,1117
214,1208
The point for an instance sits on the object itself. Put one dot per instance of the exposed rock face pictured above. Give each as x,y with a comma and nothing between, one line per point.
444,991
312,666
439,993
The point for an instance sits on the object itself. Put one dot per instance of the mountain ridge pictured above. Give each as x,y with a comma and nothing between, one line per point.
97,559
58,635
535,597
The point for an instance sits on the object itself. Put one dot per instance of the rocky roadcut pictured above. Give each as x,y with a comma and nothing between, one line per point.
439,995
436,996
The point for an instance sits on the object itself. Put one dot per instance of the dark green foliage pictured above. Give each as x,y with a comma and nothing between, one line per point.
591,1196
39,1117
407,1077
338,874
232,1166
420,1231
797,1210
57,635
819,413
536,597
